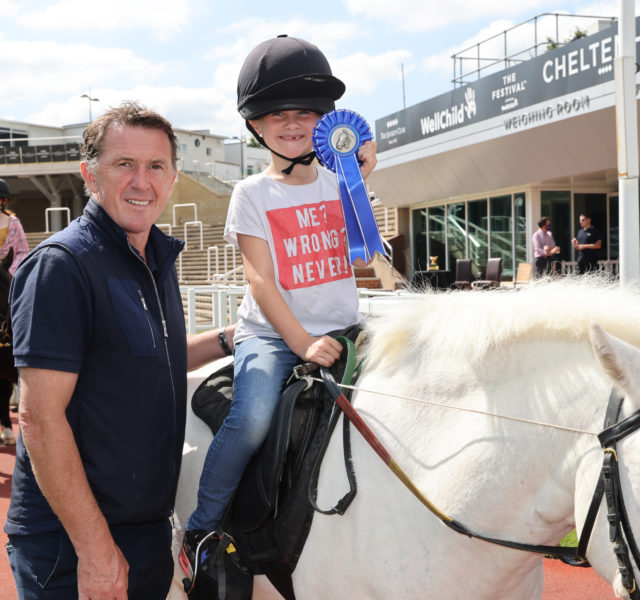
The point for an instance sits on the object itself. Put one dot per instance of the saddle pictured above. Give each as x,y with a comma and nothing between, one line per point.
271,513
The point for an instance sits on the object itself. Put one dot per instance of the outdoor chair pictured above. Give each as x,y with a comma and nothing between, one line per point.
463,274
492,276
523,275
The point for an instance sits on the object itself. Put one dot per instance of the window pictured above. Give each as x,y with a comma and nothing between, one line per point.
419,218
456,233
557,206
501,232
520,227
613,247
436,242
478,234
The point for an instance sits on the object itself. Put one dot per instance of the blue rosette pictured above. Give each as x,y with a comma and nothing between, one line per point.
337,137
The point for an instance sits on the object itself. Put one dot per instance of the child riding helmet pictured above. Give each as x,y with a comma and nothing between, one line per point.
286,73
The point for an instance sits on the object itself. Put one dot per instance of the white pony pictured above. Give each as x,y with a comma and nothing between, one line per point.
522,354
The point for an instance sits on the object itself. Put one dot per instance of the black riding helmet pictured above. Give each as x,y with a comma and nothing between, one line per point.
286,73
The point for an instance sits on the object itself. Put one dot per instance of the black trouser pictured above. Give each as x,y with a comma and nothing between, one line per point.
6,389
587,266
44,565
543,265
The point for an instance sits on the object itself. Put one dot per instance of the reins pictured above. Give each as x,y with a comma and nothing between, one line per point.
608,484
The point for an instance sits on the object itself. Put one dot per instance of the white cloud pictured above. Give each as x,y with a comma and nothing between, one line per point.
36,71
363,73
328,35
429,15
163,17
186,108
8,8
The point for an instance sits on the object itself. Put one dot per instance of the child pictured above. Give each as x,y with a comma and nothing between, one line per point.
288,224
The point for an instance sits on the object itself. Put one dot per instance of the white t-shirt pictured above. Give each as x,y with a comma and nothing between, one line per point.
304,227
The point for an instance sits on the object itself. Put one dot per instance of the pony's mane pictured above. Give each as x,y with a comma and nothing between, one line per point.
471,324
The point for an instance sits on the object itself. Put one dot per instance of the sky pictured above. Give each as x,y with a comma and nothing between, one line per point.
182,57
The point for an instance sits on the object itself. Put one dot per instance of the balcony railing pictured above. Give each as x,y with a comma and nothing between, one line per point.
45,153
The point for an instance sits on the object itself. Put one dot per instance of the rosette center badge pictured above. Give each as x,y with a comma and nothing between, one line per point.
344,140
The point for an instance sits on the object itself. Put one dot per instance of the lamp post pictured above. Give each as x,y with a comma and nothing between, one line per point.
90,101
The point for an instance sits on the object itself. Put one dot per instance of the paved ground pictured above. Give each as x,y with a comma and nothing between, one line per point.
561,582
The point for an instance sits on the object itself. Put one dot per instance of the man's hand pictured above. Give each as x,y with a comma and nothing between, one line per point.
102,574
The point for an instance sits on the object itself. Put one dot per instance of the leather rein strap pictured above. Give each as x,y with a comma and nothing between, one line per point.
608,486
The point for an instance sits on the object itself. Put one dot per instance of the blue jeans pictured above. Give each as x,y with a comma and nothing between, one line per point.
44,565
261,368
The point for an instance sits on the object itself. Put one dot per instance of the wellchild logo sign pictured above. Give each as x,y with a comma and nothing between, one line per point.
543,80
456,115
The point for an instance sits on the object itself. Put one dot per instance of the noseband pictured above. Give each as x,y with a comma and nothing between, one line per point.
608,485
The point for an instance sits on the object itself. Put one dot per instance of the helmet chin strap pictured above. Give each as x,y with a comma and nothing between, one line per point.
304,159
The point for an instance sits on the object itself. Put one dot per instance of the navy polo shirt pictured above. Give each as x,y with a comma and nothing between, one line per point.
588,236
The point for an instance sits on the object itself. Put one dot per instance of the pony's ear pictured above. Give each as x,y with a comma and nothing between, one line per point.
621,361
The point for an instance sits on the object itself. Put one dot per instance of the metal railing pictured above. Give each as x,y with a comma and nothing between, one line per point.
223,309
186,241
221,304
48,211
21,153
234,275
473,54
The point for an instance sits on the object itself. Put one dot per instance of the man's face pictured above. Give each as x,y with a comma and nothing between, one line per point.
133,178
585,222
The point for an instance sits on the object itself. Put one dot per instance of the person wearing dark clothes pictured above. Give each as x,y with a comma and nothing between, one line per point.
100,344
587,242
12,237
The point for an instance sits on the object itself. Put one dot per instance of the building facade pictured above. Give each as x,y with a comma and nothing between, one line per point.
472,171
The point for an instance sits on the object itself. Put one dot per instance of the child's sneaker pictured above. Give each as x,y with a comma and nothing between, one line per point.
197,559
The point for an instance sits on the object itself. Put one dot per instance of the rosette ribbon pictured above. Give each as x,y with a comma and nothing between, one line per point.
337,137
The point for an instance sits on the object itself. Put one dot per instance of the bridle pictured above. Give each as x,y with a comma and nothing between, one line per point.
620,533
608,485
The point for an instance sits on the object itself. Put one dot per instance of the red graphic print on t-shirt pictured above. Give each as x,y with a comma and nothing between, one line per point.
310,244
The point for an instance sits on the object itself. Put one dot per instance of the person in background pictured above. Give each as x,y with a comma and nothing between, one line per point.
544,247
102,352
587,242
11,236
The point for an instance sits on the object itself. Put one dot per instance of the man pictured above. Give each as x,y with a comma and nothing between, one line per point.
588,242
99,338
544,247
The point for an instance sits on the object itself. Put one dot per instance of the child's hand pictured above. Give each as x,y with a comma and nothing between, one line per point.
322,350
367,154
